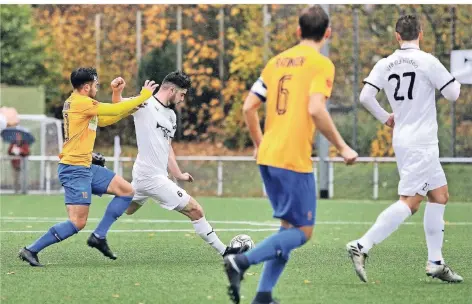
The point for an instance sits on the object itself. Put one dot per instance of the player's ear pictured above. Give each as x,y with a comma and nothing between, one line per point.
327,33
398,37
420,36
299,32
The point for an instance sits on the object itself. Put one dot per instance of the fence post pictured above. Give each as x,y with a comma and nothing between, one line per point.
315,173
48,177
376,180
331,178
24,173
220,178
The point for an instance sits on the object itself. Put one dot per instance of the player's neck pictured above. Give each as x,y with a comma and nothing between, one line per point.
410,44
75,91
315,45
161,98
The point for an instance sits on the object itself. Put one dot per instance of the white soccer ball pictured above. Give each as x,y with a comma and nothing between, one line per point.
241,240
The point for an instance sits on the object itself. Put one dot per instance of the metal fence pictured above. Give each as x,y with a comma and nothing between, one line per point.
238,176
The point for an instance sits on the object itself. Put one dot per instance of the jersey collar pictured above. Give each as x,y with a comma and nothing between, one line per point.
160,102
409,46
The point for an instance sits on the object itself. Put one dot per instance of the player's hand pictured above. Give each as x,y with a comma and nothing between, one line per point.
390,121
11,116
150,85
118,84
254,154
185,177
349,155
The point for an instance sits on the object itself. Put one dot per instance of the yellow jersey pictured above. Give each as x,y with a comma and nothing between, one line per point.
80,130
82,115
285,85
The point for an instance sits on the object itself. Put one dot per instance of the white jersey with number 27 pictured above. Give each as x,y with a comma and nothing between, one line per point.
410,77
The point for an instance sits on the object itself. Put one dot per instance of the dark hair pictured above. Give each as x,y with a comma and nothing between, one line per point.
313,23
409,27
81,76
179,79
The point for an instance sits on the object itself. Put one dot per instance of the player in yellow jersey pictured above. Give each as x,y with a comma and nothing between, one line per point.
80,179
294,86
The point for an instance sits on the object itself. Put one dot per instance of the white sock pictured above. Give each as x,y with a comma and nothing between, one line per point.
434,230
205,231
387,222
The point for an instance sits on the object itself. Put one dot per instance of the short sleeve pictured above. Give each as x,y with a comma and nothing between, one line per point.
87,107
376,76
259,88
323,79
174,124
439,75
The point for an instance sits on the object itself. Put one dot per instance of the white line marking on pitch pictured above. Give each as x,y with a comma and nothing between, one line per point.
10,219
151,230
125,220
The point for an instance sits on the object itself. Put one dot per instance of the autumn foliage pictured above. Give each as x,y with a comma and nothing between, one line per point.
213,110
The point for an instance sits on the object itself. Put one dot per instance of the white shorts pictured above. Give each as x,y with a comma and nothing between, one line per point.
420,170
161,189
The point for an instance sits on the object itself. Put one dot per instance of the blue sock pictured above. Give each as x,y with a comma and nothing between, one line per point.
55,234
115,209
270,275
277,245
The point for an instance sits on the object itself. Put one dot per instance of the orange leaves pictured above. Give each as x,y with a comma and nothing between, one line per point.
382,145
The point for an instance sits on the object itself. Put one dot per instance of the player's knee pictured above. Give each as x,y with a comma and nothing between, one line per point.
197,212
308,235
126,190
79,223
194,210
414,208
443,198
308,232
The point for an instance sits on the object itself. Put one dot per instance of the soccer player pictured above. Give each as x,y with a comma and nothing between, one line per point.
409,78
294,86
82,114
155,127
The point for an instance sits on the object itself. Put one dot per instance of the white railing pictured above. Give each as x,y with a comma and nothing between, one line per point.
221,159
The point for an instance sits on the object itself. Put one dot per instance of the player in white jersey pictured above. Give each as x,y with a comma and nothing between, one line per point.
409,78
155,126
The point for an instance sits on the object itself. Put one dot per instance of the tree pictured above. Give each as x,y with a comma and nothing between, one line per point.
24,61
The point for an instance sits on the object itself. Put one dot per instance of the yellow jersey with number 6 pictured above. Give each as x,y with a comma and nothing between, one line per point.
285,85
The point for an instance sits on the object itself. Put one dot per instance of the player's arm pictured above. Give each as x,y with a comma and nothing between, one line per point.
320,91
117,86
447,84
117,109
121,108
104,121
323,121
370,102
372,85
174,169
253,101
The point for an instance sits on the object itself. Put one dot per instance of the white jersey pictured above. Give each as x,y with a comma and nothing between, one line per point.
155,127
410,77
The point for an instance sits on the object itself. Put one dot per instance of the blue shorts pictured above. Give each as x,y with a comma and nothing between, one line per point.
80,182
292,195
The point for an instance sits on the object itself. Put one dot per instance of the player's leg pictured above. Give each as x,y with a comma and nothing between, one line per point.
76,181
194,211
414,169
434,232
293,198
387,222
106,181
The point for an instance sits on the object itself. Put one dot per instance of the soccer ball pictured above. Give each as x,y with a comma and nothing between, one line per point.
241,240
